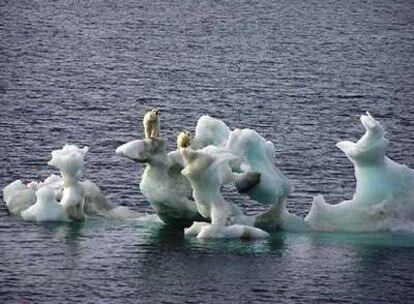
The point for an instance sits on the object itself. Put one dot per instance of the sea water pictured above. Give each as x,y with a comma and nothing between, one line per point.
298,73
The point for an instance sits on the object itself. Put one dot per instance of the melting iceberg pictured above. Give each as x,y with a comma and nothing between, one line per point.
64,197
184,186
384,196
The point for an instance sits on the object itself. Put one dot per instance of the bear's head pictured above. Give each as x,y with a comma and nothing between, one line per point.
154,114
183,140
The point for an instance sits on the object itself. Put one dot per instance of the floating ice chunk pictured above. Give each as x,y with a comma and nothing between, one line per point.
18,197
384,196
73,201
95,202
239,157
253,154
77,198
53,181
46,208
257,155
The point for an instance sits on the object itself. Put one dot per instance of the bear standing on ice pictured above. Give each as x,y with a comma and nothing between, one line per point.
152,124
183,140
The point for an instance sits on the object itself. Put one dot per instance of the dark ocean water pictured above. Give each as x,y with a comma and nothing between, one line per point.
299,72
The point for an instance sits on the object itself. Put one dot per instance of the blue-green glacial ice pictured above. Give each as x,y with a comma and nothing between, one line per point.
184,186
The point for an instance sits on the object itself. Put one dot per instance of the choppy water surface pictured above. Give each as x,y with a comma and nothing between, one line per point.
85,72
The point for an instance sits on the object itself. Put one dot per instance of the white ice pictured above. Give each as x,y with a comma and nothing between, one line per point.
250,153
162,183
257,155
184,186
46,208
207,174
69,160
18,197
210,131
203,230
76,198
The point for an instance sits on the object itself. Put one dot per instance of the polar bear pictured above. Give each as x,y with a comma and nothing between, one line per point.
152,123
183,140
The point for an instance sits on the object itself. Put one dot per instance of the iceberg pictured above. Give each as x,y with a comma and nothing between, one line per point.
44,201
384,195
184,186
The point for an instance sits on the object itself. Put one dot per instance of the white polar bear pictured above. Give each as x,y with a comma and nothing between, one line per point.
152,123
183,140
